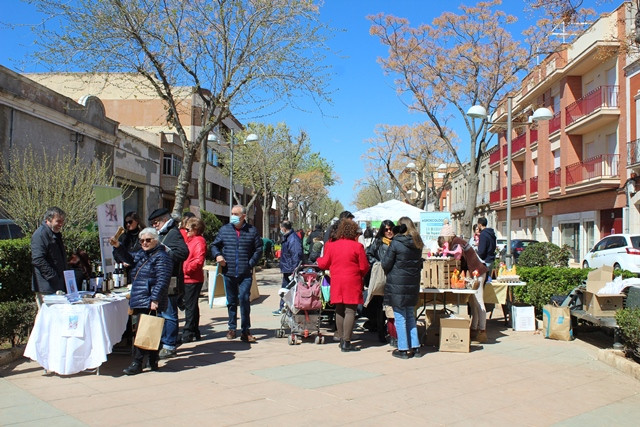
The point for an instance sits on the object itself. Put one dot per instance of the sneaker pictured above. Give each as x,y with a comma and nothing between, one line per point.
401,354
416,352
248,338
134,369
165,353
231,335
276,312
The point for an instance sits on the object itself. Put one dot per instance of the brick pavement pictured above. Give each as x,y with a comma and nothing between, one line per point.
517,378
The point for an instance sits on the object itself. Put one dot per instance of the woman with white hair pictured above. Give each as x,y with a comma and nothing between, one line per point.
151,269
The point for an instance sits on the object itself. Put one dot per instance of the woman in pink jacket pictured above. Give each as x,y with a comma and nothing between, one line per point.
347,263
193,278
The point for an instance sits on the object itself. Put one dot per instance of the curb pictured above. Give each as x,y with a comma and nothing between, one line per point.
617,360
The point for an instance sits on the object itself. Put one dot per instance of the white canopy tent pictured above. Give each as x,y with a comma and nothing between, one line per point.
391,209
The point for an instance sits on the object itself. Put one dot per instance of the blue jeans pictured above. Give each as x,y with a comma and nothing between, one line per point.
169,337
238,290
405,321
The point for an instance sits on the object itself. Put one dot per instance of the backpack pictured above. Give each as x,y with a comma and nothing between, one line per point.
308,293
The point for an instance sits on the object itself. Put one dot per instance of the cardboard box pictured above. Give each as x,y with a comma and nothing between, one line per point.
602,305
454,334
431,335
523,318
599,277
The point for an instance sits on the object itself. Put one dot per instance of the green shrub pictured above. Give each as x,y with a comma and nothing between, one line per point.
211,226
15,269
543,254
16,319
544,282
628,320
88,241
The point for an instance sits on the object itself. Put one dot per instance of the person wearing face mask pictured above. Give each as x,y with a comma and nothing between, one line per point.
290,257
237,248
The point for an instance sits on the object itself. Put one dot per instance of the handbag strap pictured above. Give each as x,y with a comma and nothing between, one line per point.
137,272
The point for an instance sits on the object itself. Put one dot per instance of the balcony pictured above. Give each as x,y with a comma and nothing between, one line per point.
594,169
519,189
554,178
533,185
494,157
554,123
594,110
494,196
633,153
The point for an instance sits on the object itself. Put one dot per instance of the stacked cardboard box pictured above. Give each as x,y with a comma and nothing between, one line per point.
601,305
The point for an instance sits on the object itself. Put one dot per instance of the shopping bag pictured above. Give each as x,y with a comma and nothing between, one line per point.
326,290
149,332
376,282
556,322
308,295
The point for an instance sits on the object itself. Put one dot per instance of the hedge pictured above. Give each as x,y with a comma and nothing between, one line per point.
16,319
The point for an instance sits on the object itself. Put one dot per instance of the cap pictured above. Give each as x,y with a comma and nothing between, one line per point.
346,214
447,231
158,213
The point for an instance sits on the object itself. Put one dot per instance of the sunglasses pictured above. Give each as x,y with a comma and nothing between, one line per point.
128,222
388,229
188,229
145,241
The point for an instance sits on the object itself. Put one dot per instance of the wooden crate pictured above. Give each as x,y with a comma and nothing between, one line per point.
436,273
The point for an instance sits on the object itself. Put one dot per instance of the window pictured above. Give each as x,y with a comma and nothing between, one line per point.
171,165
569,236
212,157
589,230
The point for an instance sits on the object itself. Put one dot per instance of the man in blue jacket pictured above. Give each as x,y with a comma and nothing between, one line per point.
237,249
290,256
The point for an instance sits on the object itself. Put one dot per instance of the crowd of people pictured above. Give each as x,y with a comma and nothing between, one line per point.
164,265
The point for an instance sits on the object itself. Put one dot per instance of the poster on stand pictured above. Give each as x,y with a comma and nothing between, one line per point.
110,217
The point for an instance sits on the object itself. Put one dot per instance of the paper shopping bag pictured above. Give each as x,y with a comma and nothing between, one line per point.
149,332
556,322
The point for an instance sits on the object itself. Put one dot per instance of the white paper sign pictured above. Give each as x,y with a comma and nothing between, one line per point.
73,318
70,281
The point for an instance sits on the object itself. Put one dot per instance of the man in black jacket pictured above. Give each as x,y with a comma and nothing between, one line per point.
170,236
48,255
486,243
237,249
290,256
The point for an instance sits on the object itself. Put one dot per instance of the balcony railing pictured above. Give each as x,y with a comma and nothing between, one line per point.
494,157
494,196
519,189
519,143
533,185
602,97
554,178
633,152
554,123
602,166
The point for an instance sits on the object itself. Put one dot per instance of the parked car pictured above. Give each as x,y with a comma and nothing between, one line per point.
517,246
500,245
9,230
621,251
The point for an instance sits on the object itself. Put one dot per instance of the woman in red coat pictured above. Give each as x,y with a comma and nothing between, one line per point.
193,278
347,263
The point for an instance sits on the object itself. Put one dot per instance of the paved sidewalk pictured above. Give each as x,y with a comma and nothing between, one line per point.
518,378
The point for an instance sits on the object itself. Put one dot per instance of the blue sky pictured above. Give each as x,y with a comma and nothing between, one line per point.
364,97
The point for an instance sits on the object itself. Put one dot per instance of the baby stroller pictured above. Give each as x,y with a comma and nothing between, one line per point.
302,305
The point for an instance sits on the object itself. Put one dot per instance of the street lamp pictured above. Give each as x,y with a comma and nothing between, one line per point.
479,112
252,137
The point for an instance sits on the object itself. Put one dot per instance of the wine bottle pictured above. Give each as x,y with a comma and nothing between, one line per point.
116,276
99,279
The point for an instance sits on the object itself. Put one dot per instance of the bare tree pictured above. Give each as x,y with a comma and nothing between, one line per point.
247,56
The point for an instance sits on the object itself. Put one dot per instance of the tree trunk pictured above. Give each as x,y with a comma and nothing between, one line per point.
470,207
265,215
182,187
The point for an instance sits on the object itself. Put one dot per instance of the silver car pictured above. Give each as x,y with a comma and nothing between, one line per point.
621,251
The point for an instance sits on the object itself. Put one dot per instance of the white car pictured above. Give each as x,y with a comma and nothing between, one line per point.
500,245
621,251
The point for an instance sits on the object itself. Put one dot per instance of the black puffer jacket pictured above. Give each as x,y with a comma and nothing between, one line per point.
151,274
376,251
402,264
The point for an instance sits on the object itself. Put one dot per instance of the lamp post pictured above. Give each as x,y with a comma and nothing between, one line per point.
252,137
479,112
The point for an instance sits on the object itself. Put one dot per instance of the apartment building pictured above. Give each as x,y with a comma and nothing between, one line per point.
35,117
129,99
570,174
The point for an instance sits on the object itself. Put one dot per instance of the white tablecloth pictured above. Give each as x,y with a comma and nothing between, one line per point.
68,339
